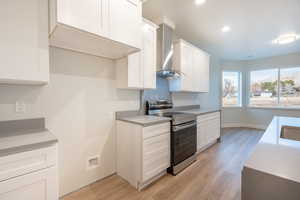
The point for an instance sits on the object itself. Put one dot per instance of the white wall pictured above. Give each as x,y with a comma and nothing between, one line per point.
257,117
79,105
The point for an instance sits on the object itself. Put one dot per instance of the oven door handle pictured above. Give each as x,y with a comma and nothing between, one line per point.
184,126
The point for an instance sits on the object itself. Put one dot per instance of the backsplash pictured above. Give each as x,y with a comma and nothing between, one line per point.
161,91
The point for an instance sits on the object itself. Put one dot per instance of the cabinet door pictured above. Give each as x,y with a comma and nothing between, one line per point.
204,64
90,15
201,138
201,71
187,67
24,41
197,76
149,56
216,128
135,71
125,22
40,185
213,130
156,155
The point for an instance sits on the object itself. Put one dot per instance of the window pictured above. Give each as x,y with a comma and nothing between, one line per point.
290,87
275,87
263,87
231,89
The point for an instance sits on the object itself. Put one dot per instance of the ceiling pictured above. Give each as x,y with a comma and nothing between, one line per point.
254,24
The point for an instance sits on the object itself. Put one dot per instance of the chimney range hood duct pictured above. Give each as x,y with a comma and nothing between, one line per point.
165,52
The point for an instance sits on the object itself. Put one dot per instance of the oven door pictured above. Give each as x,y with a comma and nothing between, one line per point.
183,142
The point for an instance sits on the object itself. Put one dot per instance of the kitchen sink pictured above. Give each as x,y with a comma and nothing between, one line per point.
290,132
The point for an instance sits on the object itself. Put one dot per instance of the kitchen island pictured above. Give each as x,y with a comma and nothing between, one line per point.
272,171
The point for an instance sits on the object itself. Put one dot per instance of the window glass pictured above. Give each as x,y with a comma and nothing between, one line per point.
290,87
231,89
264,87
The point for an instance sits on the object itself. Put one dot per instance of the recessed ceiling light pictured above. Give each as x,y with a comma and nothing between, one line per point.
226,29
200,2
286,39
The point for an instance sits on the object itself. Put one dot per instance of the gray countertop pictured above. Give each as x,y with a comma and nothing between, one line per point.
201,111
275,155
148,120
23,140
23,135
145,120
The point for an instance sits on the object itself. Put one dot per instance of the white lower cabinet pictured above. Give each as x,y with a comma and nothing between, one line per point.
29,175
208,130
143,153
156,155
40,185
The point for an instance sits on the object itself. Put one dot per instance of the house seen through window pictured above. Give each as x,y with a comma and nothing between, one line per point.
275,87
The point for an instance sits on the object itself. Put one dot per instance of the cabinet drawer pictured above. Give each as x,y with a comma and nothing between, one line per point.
156,142
209,116
26,162
155,130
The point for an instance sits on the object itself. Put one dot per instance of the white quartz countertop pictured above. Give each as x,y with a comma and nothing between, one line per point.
275,155
145,120
10,142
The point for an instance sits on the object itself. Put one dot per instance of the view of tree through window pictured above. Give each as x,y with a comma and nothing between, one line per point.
265,91
263,87
231,89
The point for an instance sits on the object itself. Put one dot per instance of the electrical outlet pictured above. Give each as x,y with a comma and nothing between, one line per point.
93,162
20,107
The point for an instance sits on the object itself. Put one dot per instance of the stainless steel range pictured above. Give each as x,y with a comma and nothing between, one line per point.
183,134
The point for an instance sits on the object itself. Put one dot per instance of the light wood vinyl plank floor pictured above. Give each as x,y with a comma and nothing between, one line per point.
215,176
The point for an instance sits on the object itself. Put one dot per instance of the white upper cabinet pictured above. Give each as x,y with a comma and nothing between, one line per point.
149,54
125,21
138,70
201,71
193,63
88,16
106,28
129,74
24,42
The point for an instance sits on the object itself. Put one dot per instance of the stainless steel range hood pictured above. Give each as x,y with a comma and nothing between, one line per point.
165,52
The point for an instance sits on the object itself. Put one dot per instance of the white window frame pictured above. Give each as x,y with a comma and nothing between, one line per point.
240,94
278,106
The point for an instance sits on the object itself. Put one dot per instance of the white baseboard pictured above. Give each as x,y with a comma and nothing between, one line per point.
244,125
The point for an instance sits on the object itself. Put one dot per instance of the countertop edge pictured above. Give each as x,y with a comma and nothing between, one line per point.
201,112
269,174
145,124
26,147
